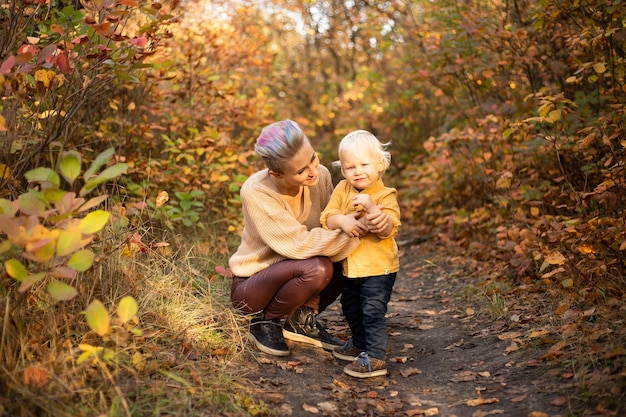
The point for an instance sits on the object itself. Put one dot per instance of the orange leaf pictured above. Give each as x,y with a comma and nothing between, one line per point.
35,376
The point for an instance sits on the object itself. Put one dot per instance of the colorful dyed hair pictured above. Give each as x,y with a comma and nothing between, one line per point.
279,142
361,140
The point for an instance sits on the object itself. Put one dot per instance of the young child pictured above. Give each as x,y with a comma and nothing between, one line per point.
369,272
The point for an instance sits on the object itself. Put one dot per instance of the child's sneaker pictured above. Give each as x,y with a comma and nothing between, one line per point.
347,352
365,366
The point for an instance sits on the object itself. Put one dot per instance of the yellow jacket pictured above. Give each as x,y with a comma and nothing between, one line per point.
376,255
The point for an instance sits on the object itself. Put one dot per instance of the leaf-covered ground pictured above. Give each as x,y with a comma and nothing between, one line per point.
457,347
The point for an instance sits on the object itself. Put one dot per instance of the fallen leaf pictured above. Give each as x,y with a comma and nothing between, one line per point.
513,347
341,384
537,414
519,399
538,333
481,413
35,376
422,412
327,407
310,409
481,401
401,359
454,345
509,335
406,347
372,394
410,371
558,401
464,376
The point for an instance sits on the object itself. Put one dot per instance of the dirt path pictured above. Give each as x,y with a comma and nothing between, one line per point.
446,357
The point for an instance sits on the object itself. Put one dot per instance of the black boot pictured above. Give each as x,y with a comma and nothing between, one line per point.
302,326
268,337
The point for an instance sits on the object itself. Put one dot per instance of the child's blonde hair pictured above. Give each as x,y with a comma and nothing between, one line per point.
362,139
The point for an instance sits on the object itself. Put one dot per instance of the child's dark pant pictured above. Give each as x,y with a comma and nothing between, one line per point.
364,303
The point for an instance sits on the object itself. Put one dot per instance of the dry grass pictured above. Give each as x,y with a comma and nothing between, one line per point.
175,359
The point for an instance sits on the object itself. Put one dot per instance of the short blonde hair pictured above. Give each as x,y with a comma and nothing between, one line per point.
362,139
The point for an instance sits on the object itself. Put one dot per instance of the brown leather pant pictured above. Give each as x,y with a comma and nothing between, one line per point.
280,289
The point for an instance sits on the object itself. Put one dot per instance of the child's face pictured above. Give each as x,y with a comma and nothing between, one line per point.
361,168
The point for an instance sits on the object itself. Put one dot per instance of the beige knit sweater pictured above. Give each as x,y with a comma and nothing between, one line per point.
273,233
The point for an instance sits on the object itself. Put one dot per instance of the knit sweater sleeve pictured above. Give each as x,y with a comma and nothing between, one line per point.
279,229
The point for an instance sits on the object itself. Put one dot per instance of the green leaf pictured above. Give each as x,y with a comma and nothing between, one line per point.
43,175
31,280
15,269
5,246
81,260
175,377
106,175
69,241
61,291
7,208
98,318
100,160
94,222
70,165
127,309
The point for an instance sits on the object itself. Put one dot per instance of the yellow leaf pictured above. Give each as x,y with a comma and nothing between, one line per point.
554,115
503,182
138,361
16,270
3,124
98,318
555,258
162,198
127,309
600,68
94,221
567,283
69,241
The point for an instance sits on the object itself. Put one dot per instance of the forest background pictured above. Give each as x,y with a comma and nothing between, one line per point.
127,128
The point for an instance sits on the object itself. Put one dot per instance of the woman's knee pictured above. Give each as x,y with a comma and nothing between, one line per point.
320,268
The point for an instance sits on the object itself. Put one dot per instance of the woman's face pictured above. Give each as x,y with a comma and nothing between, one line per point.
302,168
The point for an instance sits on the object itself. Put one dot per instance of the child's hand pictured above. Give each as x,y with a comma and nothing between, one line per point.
352,226
365,201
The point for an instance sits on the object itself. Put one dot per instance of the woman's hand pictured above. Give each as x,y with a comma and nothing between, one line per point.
379,223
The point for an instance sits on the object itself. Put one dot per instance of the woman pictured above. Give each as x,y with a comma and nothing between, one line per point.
285,265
